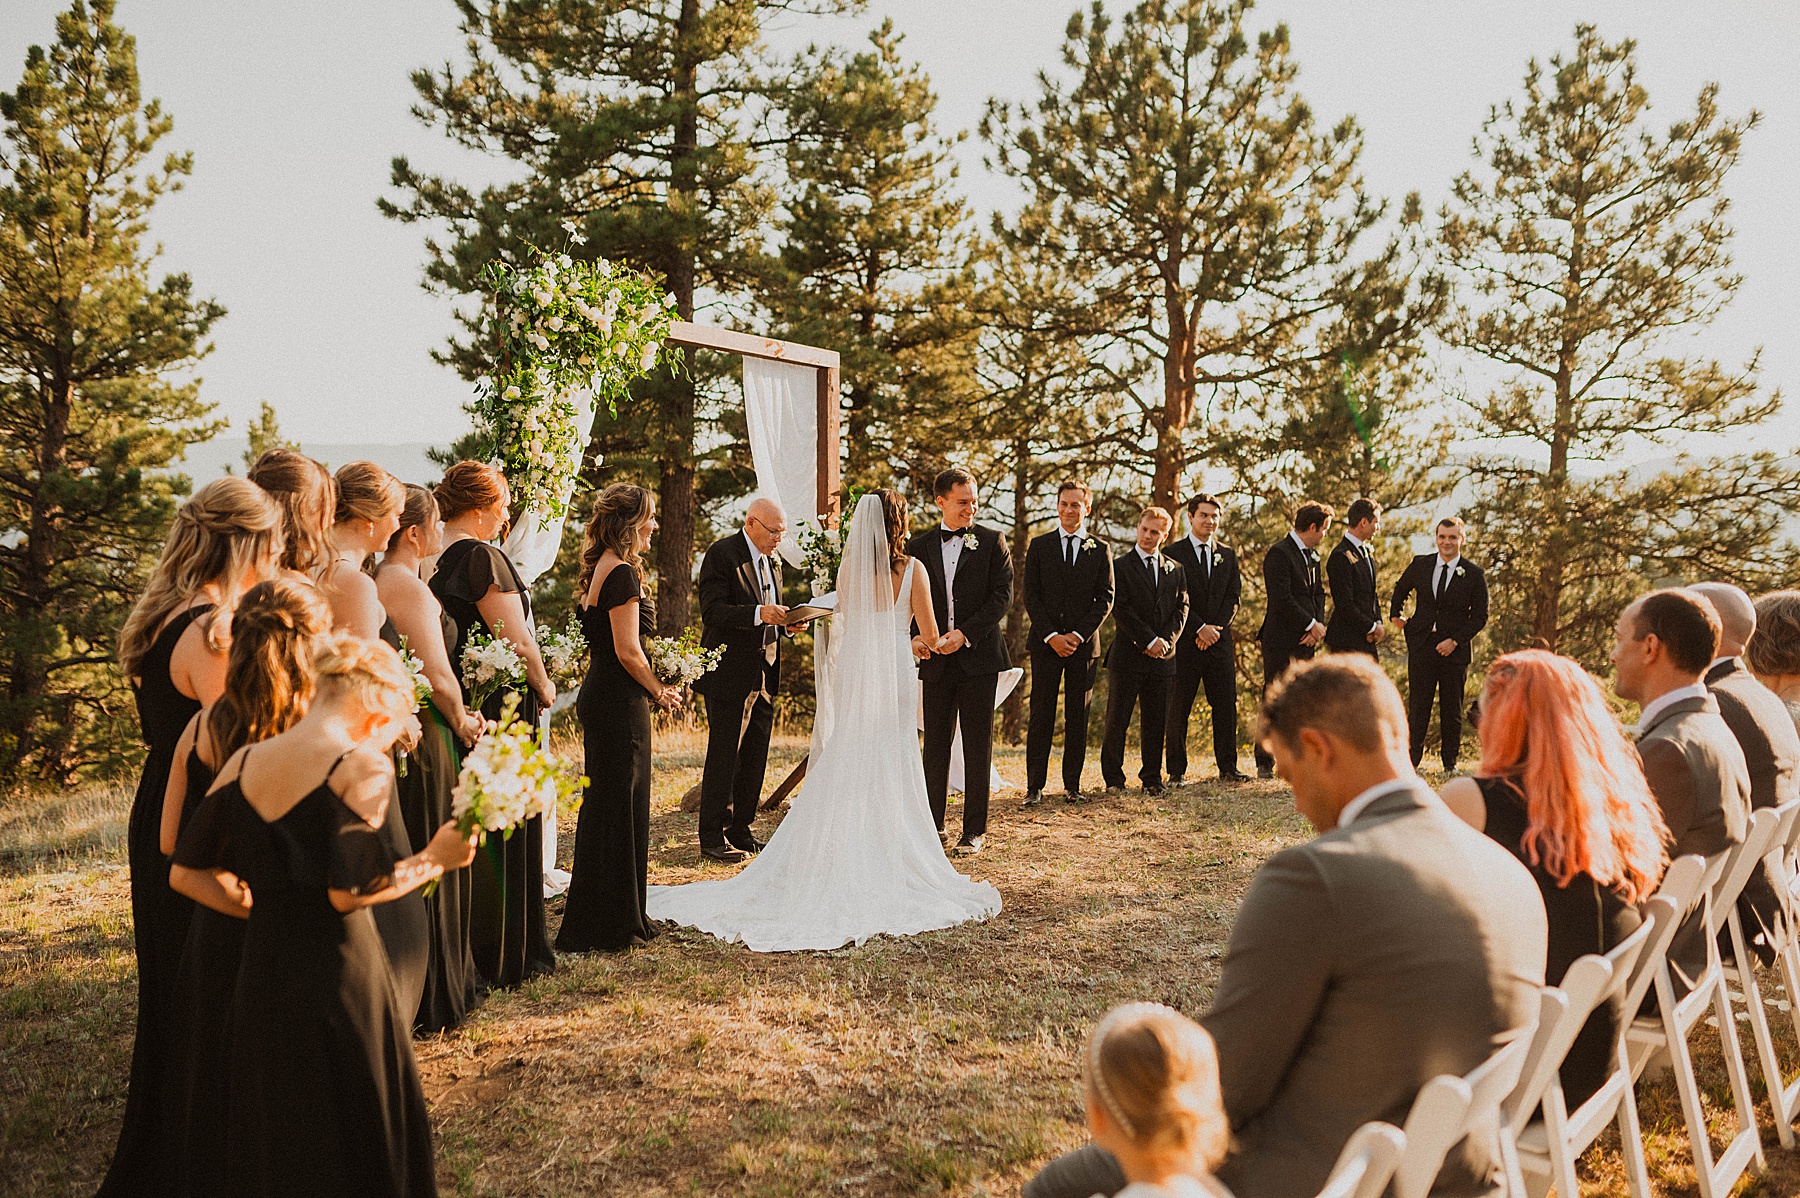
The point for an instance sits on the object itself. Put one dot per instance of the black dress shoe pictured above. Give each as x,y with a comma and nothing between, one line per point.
1112,790
754,847
1074,795
730,854
1234,776
1177,780
1264,772
1033,798
1153,788
970,846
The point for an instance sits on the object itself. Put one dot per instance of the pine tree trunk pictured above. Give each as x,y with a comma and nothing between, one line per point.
1012,722
1177,409
1546,621
30,681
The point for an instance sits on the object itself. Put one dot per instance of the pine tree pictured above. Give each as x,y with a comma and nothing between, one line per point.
89,412
264,434
1184,169
1587,247
641,121
875,252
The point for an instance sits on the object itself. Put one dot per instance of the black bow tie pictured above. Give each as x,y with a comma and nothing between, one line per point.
950,534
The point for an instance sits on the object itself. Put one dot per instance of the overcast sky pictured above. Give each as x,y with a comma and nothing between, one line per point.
293,111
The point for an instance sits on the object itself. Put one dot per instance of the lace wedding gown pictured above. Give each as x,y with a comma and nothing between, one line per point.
857,855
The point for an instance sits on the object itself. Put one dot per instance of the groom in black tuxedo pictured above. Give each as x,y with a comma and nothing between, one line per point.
1452,607
1150,606
1068,591
741,609
1205,654
971,589
1294,621
1356,625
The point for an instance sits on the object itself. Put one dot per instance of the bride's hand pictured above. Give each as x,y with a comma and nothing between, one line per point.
921,650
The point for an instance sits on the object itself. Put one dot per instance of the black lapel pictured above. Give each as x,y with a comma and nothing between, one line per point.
934,566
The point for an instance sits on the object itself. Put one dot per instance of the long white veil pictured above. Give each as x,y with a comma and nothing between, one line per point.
857,670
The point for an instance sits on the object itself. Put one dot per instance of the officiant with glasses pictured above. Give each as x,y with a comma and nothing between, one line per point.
741,610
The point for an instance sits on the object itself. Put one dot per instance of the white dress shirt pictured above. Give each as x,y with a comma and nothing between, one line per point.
1078,536
1442,571
1155,567
1305,553
952,550
1663,702
765,578
1360,803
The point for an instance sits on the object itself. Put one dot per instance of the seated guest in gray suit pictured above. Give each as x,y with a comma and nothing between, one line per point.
1399,945
1664,643
1765,732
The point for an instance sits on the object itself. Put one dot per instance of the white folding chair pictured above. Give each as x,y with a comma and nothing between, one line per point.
1544,1149
1676,1019
1367,1162
1784,1098
1451,1109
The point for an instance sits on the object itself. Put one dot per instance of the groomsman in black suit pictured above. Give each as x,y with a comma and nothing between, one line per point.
1356,625
971,589
1204,653
1068,591
1452,607
1294,621
741,609
1150,605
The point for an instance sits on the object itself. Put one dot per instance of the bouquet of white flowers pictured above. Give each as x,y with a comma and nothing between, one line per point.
415,674
679,660
507,778
490,665
565,652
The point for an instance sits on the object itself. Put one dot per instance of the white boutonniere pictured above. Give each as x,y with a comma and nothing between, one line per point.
1459,571
1090,544
1218,558
971,542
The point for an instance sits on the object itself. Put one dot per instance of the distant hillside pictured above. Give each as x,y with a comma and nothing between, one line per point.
406,461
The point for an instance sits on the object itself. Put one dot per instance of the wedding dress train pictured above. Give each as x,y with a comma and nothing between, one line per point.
857,855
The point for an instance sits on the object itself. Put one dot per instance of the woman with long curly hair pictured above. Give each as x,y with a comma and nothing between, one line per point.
605,910
224,540
1561,787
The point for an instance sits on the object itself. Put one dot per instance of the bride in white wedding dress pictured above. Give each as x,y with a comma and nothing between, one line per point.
857,855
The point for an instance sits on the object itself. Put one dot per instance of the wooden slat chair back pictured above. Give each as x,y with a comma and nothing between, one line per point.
1367,1163
1676,1017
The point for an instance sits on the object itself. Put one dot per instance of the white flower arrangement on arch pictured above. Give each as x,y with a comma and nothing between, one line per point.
563,325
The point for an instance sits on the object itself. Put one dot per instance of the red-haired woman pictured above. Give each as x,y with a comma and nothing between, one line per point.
1561,787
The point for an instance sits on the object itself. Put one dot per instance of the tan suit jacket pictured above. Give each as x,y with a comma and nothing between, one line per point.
1363,964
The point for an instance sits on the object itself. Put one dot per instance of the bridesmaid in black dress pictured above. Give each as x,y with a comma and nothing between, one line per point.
605,909
324,1091
366,514
172,648
425,789
275,635
1553,759
480,589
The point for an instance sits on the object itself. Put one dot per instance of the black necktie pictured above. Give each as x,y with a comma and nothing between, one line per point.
1205,554
1443,580
1069,549
1155,576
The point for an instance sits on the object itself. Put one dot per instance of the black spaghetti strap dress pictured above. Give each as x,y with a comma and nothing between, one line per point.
605,910
507,931
405,929
450,977
1585,917
324,1091
159,923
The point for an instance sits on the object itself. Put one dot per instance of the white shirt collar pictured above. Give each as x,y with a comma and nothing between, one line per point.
1719,661
1452,563
1199,545
1139,550
1663,702
1355,540
1080,533
756,555
1299,542
1360,803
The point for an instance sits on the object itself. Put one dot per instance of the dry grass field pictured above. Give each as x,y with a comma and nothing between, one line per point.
940,1064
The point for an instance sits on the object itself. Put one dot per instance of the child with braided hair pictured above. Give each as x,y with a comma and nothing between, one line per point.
1153,1102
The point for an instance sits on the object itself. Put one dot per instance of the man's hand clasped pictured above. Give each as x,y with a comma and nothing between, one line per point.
949,643
1064,643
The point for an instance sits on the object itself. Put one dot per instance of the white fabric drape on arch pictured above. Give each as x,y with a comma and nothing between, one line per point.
781,411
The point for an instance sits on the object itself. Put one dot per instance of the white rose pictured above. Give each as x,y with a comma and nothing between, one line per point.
649,358
555,323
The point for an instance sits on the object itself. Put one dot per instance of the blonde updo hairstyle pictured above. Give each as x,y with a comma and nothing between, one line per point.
1155,1073
619,512
303,490
368,674
365,491
1774,647
226,535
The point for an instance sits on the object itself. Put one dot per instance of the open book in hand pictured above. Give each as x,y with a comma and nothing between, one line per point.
821,605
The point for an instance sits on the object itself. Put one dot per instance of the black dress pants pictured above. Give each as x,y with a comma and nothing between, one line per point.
952,698
737,754
1430,675
1073,677
1126,689
1276,659
1215,670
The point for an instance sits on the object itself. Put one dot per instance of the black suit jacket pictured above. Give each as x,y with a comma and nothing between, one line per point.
1142,613
728,603
1213,596
1295,587
1462,614
1355,602
984,581
1063,598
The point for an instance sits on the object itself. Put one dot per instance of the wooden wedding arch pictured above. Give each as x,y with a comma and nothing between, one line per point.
825,363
